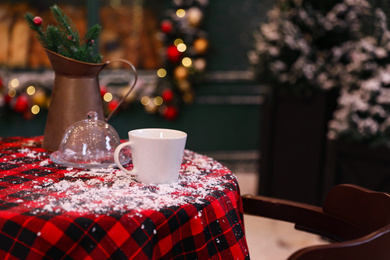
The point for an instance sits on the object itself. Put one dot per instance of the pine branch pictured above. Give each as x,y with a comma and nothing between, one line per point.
64,38
88,45
66,26
92,33
53,39
97,58
70,49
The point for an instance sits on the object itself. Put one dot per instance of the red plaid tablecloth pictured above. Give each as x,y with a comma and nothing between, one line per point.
54,212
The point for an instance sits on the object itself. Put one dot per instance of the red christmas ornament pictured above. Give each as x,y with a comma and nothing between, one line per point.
167,95
37,20
103,90
7,99
27,115
166,26
173,54
112,105
171,113
21,104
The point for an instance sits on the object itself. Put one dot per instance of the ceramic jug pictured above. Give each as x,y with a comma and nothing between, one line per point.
76,91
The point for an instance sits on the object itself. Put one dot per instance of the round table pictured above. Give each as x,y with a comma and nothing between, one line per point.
54,212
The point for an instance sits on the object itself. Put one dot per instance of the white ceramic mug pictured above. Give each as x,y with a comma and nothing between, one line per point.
156,153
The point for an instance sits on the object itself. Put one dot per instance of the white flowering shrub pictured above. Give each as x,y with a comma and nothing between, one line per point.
304,50
363,114
293,50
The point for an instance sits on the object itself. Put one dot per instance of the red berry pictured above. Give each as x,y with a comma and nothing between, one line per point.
37,20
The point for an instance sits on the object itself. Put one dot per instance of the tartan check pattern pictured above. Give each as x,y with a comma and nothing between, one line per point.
211,229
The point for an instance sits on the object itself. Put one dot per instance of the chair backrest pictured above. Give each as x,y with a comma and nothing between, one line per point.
367,209
374,246
357,217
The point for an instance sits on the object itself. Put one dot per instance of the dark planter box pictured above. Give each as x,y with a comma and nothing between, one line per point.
293,144
357,164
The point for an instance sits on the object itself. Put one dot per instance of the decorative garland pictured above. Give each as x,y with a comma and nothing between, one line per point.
185,47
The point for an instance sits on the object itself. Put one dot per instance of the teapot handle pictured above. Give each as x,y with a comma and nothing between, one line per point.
131,88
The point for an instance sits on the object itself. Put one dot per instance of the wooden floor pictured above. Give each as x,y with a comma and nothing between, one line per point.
270,239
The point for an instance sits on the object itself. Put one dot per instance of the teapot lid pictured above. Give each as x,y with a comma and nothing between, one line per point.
89,143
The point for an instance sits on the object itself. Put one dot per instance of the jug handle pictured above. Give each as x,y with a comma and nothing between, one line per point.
131,88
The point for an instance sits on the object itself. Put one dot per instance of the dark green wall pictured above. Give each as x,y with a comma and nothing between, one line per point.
230,25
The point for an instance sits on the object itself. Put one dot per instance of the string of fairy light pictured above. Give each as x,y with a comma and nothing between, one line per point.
185,46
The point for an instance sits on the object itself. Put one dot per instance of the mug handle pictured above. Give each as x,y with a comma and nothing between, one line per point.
117,161
131,88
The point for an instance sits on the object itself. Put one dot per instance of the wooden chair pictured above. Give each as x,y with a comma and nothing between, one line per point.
357,221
